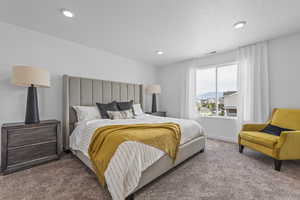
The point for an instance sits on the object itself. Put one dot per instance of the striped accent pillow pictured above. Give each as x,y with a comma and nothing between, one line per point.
124,114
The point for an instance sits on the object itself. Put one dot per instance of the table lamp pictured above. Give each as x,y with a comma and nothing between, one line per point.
153,89
31,77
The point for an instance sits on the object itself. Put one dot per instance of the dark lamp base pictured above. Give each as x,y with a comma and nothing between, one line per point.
154,106
32,109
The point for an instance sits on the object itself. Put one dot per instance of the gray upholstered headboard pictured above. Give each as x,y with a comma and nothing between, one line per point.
86,92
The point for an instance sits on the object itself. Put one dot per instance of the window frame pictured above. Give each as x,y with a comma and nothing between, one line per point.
216,66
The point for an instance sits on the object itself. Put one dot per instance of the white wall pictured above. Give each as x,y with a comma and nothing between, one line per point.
20,46
284,63
284,55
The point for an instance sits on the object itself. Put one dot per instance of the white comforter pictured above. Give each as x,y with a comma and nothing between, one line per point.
131,158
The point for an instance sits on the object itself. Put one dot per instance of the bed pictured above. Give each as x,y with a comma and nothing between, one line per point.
78,91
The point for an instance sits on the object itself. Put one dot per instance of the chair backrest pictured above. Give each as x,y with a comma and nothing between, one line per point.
271,116
286,118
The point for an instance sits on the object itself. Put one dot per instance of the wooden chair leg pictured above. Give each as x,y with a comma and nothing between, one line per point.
241,148
277,164
130,197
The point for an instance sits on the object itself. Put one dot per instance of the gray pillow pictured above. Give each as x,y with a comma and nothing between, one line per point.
125,105
104,107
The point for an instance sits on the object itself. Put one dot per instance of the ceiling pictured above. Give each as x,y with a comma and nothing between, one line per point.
135,29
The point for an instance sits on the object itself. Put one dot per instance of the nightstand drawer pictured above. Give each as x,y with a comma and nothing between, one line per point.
27,136
26,145
29,153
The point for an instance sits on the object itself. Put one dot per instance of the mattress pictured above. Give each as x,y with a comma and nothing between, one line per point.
82,134
131,158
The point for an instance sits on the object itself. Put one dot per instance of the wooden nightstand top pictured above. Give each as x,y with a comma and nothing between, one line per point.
23,125
158,113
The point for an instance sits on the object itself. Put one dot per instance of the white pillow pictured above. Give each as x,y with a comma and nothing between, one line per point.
87,112
124,114
137,109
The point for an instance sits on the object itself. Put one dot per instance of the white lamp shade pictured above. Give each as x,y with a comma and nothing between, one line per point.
153,89
27,76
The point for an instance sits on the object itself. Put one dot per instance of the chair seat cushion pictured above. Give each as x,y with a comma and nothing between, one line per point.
264,139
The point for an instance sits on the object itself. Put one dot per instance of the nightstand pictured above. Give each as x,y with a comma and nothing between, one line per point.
26,145
158,113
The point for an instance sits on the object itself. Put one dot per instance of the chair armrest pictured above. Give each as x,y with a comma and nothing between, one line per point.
288,135
253,127
288,146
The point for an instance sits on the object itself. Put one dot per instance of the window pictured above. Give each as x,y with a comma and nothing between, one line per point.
216,91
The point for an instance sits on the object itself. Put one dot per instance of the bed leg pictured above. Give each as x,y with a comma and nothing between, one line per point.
130,197
67,151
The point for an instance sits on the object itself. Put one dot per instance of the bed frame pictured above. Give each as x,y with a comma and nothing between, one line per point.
78,91
86,92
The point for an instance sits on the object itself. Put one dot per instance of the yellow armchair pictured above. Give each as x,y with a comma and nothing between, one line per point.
283,147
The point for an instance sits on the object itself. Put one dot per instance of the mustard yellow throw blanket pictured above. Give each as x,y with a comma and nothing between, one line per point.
106,140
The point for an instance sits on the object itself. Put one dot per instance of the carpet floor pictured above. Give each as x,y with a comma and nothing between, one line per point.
220,173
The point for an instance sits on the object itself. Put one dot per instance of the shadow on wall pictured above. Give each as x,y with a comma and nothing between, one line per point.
13,98
51,99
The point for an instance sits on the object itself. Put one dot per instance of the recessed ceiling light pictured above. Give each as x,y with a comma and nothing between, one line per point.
239,24
159,52
212,52
67,13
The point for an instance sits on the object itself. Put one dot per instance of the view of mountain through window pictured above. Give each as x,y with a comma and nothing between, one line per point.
216,91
